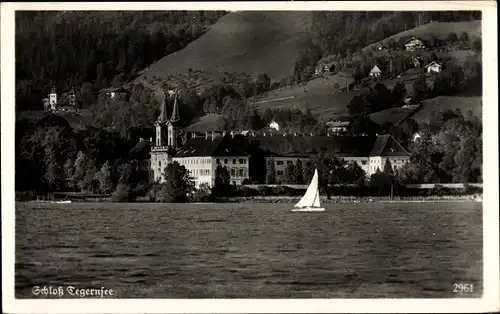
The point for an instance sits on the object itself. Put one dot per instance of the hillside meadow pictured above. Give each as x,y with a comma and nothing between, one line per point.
319,95
439,30
248,42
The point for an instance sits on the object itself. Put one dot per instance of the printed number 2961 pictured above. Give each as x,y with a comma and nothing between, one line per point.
463,287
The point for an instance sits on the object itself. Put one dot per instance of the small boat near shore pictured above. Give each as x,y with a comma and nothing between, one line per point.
52,202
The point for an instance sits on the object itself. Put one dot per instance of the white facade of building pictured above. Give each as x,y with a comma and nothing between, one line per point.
202,169
433,67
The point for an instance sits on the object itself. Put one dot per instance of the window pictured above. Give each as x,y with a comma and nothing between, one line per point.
363,162
289,162
279,162
159,163
234,182
241,172
217,161
234,161
225,161
233,172
241,161
279,172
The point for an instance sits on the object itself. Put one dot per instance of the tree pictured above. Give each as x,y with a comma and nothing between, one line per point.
222,182
203,193
177,185
299,172
388,170
398,93
290,174
103,178
270,172
464,37
357,106
420,87
355,174
84,172
262,83
122,193
69,171
363,125
477,45
331,170
452,37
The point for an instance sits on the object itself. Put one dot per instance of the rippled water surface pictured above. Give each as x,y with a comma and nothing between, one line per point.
251,250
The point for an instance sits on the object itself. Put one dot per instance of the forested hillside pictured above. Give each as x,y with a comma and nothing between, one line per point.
344,33
92,50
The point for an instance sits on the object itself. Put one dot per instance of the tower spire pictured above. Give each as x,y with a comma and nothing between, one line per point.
175,111
163,113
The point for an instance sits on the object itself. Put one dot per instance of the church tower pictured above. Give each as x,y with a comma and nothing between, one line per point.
53,98
160,123
174,130
169,138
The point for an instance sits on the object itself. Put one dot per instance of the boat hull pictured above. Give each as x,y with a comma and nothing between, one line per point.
308,209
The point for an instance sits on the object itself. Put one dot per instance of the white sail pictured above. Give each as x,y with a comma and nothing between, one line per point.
311,197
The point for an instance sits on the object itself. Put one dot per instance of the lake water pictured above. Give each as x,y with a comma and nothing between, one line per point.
398,250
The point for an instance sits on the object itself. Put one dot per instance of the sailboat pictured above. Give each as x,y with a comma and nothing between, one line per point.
310,201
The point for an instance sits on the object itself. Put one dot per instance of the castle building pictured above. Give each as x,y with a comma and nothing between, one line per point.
201,156
243,155
67,101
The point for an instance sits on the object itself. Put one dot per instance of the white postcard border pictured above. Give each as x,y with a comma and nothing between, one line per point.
490,299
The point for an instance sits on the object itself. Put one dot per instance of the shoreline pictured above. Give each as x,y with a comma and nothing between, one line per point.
293,200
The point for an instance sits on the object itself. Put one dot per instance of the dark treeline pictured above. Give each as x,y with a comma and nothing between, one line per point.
66,49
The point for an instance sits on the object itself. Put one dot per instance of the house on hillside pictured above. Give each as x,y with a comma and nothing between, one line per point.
114,92
414,43
381,47
416,137
338,127
65,102
324,68
274,125
408,100
375,72
433,67
416,62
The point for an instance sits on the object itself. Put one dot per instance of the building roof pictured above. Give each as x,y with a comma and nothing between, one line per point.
114,89
412,39
221,146
338,123
304,146
386,145
395,116
375,69
140,150
163,110
434,63
175,111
